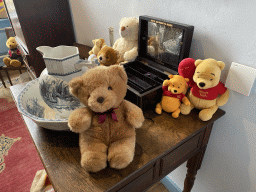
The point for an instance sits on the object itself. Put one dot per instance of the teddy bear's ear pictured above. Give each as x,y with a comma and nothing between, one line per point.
187,79
93,41
118,70
221,64
75,84
122,20
170,76
198,61
117,53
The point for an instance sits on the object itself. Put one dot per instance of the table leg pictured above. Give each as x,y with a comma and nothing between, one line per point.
1,77
193,165
8,77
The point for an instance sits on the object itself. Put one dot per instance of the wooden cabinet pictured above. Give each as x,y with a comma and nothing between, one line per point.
40,23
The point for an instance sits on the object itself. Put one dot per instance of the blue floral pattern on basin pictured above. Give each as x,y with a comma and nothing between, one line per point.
55,93
31,104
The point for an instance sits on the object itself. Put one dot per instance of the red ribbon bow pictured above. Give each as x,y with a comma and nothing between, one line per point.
103,115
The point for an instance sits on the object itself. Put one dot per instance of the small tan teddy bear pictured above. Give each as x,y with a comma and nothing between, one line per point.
173,95
108,56
207,92
98,44
14,59
106,126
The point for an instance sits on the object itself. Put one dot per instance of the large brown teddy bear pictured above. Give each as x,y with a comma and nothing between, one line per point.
108,56
207,92
106,126
173,95
14,59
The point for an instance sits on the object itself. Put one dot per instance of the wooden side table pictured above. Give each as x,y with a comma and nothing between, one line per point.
9,68
162,144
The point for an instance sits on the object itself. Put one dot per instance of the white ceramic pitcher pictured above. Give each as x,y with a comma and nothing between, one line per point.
62,65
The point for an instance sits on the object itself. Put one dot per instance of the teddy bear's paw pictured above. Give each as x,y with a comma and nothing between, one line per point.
205,115
78,126
158,109
15,63
7,61
185,109
187,103
175,114
131,55
120,161
94,161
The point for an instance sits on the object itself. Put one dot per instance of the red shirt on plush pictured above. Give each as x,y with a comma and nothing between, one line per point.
170,94
208,94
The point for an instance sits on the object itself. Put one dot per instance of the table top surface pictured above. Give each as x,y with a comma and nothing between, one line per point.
60,154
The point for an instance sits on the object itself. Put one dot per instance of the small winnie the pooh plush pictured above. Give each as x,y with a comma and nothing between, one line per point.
173,95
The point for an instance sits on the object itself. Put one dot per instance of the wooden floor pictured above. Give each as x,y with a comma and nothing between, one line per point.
158,187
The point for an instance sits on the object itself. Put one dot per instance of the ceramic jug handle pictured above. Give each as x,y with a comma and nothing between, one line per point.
81,63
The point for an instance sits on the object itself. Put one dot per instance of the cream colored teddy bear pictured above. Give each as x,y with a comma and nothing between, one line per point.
127,44
207,92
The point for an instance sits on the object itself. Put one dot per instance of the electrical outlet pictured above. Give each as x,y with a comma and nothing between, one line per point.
240,78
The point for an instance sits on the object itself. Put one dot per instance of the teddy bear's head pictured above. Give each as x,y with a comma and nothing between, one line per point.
207,73
177,84
108,56
100,88
99,42
11,43
129,28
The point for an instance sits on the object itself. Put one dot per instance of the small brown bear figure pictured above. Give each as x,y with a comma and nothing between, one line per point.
14,59
108,56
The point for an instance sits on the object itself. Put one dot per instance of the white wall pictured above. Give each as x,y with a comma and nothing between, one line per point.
224,30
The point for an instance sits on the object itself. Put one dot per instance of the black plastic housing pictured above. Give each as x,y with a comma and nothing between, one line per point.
147,73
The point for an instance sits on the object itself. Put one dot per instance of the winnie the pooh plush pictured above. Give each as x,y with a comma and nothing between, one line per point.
98,44
127,44
108,56
106,126
207,92
14,59
173,95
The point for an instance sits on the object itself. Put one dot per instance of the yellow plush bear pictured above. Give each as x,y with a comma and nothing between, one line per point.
98,44
207,92
173,94
14,59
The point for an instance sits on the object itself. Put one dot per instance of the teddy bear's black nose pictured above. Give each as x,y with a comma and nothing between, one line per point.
100,58
201,84
175,91
100,100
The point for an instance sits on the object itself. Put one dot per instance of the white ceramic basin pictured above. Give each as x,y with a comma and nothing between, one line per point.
31,104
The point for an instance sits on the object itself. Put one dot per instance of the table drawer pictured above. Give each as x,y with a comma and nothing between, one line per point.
172,159
140,183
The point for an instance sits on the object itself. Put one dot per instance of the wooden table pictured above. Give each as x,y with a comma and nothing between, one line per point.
163,144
